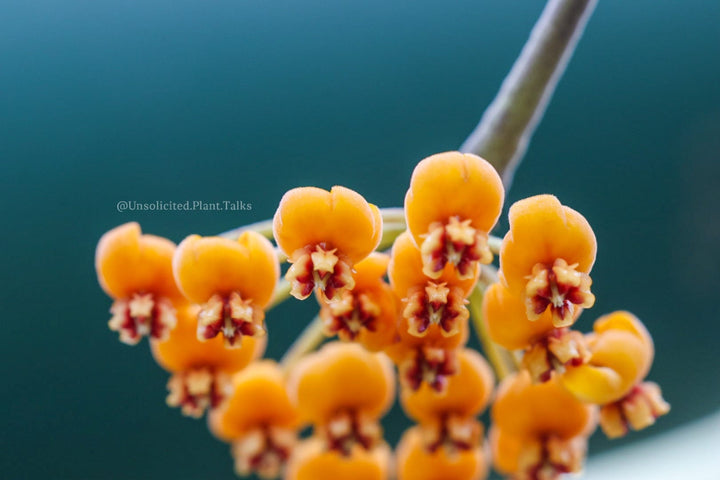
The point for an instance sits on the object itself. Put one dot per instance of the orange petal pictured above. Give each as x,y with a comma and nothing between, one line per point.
622,353
259,399
453,184
506,320
541,231
205,266
467,394
182,350
129,262
340,218
342,376
371,271
406,269
506,450
311,462
528,410
414,462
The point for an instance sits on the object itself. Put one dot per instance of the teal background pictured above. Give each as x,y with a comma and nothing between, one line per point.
241,100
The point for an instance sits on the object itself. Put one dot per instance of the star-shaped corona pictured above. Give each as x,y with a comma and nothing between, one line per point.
453,202
324,234
135,269
233,281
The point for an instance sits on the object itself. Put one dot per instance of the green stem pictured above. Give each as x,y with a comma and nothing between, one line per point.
502,360
505,129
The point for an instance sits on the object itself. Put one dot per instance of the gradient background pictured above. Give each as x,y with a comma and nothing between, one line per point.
242,100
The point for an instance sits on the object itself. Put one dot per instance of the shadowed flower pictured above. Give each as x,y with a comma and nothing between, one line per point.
311,461
233,281
416,462
259,419
136,271
621,356
546,349
200,370
453,202
324,234
343,390
539,431
546,258
428,304
367,313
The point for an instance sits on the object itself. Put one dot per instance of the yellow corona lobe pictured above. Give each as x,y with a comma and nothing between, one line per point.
546,259
621,356
453,202
136,271
324,234
233,281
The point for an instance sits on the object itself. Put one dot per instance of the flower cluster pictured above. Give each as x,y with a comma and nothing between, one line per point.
397,287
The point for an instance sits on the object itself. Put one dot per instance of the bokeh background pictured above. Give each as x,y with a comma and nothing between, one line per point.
241,100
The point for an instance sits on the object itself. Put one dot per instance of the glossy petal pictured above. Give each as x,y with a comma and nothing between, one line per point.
129,262
341,219
541,231
467,394
310,461
205,266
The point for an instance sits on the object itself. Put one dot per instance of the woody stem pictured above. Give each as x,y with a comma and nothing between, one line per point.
505,129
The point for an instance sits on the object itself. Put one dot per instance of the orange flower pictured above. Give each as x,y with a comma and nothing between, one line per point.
430,305
259,418
467,394
547,349
201,370
416,462
232,280
546,258
368,313
343,389
453,202
136,271
542,429
324,234
311,461
622,353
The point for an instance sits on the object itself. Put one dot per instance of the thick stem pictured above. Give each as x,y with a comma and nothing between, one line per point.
505,128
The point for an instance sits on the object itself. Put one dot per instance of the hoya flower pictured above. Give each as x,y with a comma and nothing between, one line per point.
621,356
367,313
448,418
546,258
324,234
136,271
232,280
454,200
342,390
200,370
429,305
259,419
311,461
546,349
539,430
415,462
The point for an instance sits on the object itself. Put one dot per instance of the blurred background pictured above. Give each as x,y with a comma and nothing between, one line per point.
181,100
